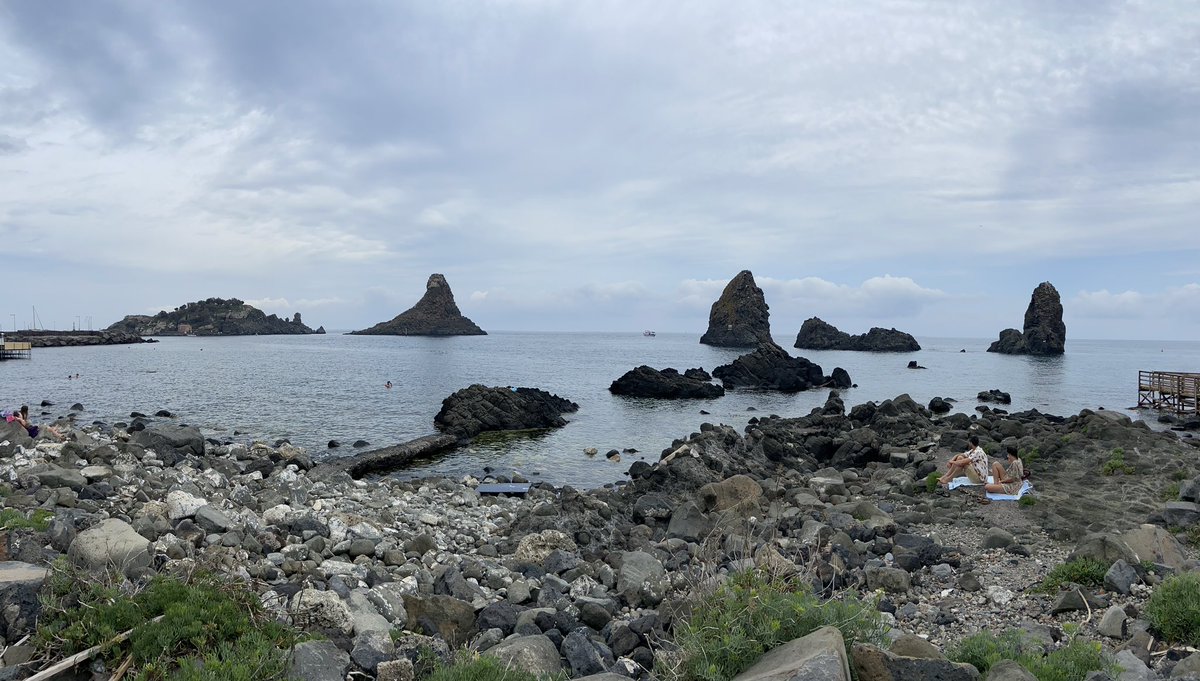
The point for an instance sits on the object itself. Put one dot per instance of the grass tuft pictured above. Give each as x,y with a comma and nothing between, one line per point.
1174,609
1072,662
1084,572
15,519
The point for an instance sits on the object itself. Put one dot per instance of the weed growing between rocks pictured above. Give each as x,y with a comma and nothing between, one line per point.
1072,662
1174,609
931,482
1116,464
1170,492
15,519
1084,572
753,612
1027,500
199,629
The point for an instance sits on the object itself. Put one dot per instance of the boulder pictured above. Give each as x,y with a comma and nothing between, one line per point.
478,408
535,548
638,570
819,656
1106,548
816,334
740,318
1180,513
645,381
1009,670
318,660
170,438
770,367
446,616
873,664
536,655
311,608
995,395
112,544
583,655
19,603
730,492
62,477
435,314
892,580
1044,332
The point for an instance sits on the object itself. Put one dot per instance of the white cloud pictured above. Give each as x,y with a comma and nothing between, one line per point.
1177,301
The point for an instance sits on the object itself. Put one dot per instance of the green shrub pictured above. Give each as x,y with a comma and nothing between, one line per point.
931,482
1116,464
752,613
1170,492
15,519
1084,572
1027,500
1071,662
1174,609
208,631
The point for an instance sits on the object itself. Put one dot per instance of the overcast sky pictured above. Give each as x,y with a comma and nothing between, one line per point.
605,165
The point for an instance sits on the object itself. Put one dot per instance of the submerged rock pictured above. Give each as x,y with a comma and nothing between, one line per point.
645,381
478,408
740,318
770,367
435,314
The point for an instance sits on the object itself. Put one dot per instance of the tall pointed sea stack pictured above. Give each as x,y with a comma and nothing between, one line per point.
1044,334
435,314
740,318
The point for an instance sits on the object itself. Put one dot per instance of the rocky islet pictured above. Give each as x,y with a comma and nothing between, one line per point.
212,317
817,334
1044,332
435,314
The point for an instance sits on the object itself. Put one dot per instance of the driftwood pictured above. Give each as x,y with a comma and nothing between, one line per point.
59,667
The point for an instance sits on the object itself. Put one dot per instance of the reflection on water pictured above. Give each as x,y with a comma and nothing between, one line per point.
313,389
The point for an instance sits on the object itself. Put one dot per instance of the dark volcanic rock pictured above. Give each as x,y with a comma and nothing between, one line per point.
65,339
772,368
476,409
1044,332
435,314
995,395
647,381
211,317
740,318
816,334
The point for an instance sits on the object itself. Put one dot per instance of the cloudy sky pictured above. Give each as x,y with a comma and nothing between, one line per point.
605,165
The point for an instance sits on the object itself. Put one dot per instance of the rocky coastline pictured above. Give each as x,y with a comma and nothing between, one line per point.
590,583
70,339
213,317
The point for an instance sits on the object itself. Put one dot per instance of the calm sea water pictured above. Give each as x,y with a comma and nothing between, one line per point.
312,389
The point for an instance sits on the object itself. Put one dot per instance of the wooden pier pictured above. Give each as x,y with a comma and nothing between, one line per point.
15,350
1176,392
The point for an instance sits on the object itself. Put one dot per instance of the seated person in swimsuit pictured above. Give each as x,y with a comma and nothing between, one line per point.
22,417
973,463
1008,478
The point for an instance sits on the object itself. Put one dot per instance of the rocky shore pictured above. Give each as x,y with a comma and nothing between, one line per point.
596,582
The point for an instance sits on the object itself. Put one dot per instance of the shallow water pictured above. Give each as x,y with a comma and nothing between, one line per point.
312,389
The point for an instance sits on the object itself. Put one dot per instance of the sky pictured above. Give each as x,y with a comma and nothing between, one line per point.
605,165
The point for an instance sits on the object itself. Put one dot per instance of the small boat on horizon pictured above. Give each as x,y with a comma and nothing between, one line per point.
648,333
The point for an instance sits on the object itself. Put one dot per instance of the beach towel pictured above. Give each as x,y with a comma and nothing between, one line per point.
965,481
1000,496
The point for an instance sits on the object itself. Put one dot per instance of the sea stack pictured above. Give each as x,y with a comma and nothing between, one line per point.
1044,333
817,334
435,314
740,318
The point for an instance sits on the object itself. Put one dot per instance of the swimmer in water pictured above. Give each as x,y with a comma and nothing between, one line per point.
388,385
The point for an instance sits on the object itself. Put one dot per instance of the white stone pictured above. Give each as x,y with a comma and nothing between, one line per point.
999,595
180,504
324,609
276,515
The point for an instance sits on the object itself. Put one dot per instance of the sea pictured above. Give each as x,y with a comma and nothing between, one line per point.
315,389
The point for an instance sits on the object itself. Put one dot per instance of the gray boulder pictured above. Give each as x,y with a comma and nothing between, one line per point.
638,569
1156,545
19,604
1106,548
820,656
62,477
169,438
1180,513
446,616
534,654
893,580
1009,670
872,664
112,544
318,660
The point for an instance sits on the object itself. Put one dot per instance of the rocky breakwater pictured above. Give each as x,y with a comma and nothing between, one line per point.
816,334
67,339
1044,332
435,314
599,582
213,317
740,318
645,381
770,367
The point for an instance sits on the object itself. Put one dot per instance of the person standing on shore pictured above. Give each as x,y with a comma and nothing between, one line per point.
973,463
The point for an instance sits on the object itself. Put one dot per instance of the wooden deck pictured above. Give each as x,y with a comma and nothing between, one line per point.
15,350
1176,392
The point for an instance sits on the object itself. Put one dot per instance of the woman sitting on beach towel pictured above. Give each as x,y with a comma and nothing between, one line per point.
1008,478
973,463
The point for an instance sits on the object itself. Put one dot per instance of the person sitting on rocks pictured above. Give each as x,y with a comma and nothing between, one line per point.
973,463
1008,478
22,417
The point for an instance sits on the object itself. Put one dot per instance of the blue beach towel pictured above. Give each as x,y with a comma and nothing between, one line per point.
964,481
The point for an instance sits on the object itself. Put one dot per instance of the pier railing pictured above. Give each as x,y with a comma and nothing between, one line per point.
16,350
1172,391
